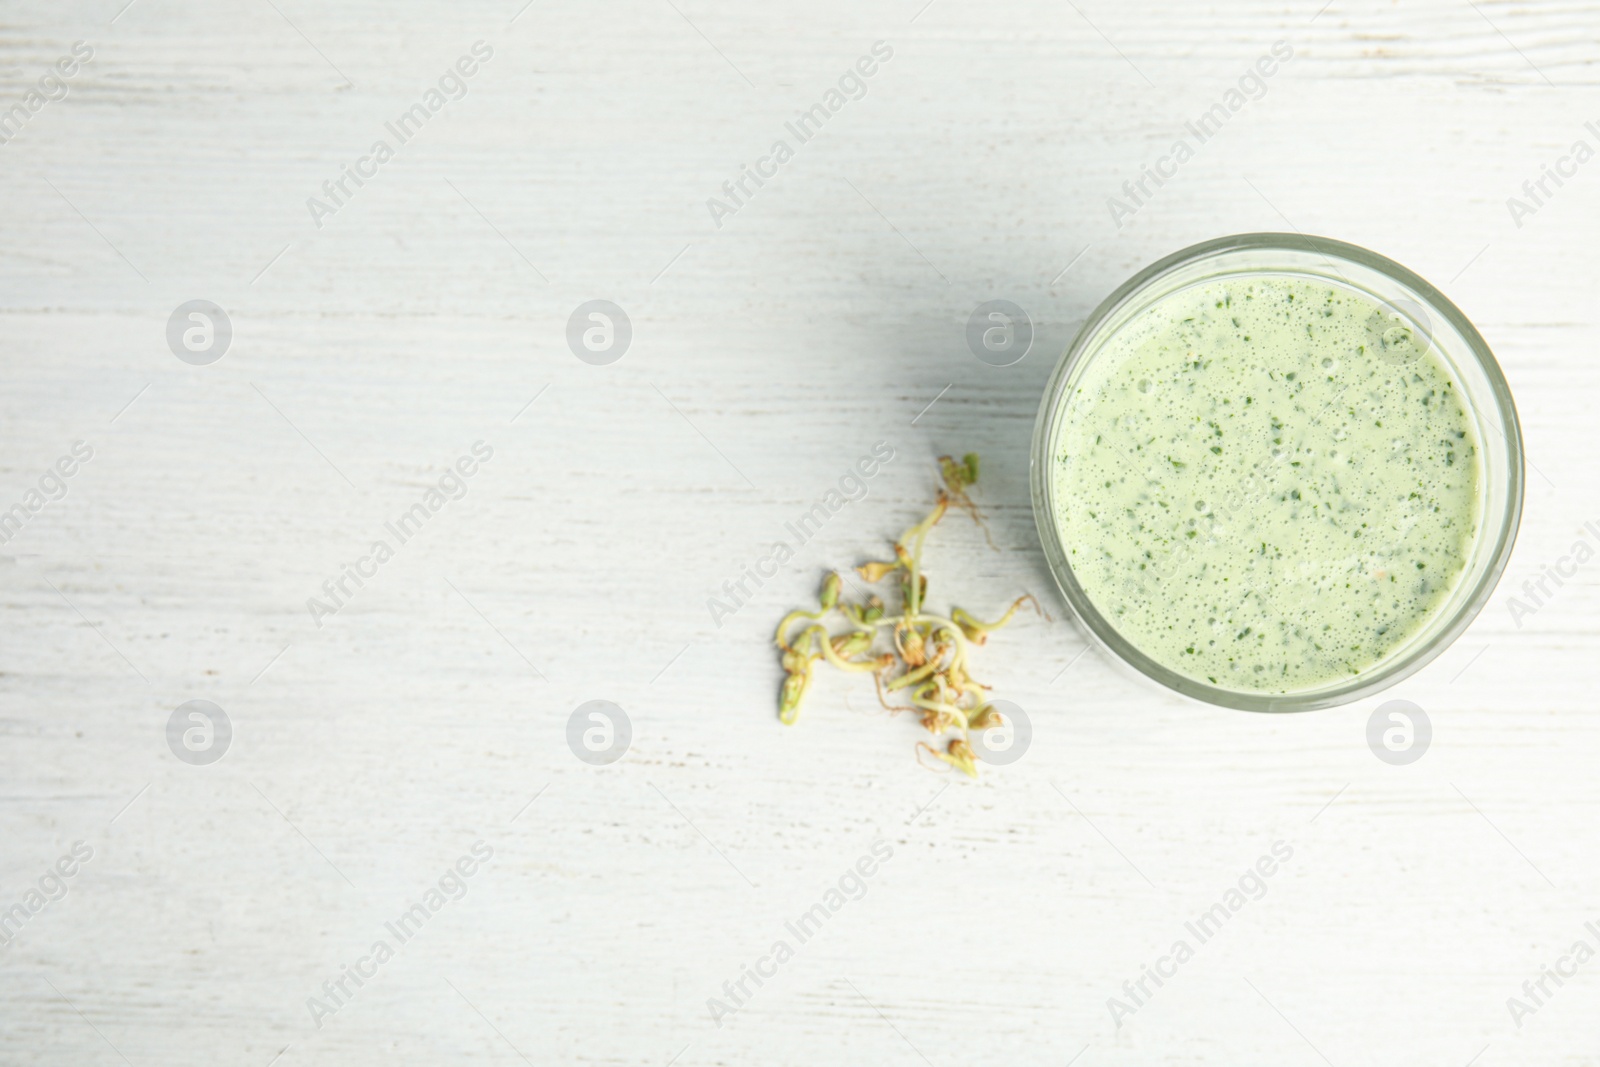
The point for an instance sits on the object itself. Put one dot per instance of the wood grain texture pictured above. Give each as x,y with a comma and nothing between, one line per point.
370,753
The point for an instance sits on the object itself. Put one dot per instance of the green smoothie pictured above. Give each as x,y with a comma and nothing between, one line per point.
1268,483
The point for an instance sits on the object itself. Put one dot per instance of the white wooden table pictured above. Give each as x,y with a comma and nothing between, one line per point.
369,754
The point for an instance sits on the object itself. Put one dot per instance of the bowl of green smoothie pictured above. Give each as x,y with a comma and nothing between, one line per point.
1276,472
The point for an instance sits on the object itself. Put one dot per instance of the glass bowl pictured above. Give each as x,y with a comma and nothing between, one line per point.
1461,348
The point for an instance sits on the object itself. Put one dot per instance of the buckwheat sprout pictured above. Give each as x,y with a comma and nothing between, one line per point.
928,664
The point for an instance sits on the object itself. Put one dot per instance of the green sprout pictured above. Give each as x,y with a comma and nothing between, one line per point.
926,659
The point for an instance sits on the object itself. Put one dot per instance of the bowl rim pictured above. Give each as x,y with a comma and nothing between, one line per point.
1387,673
